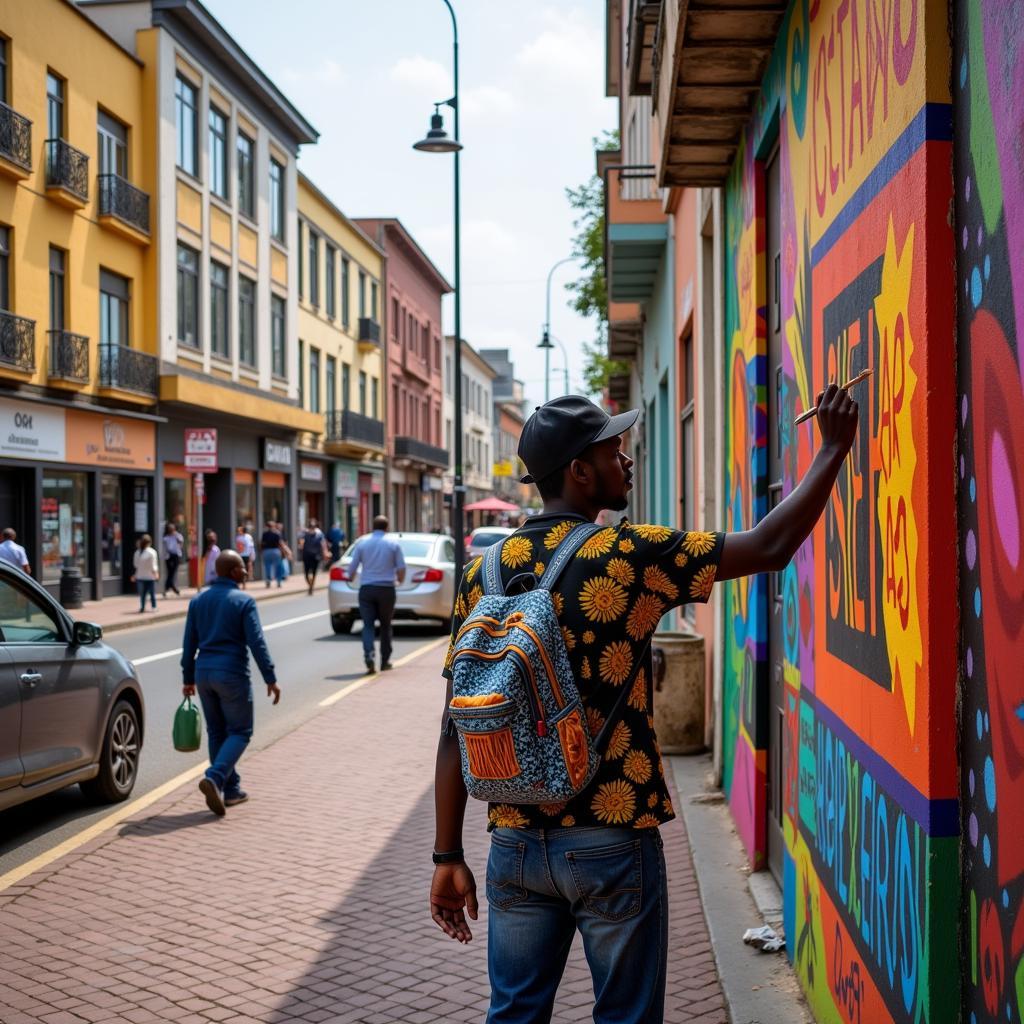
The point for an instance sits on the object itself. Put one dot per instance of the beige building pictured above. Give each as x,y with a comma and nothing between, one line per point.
341,366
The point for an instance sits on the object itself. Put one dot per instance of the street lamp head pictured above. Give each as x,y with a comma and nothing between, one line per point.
437,140
545,341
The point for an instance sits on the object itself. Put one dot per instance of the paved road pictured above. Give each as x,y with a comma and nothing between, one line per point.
312,663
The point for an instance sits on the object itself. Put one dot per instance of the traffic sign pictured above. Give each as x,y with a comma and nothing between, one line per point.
201,449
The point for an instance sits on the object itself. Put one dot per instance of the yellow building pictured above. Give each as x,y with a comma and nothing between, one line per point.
222,279
341,366
78,356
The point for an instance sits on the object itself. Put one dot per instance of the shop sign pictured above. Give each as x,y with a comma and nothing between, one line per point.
346,482
29,430
311,471
201,449
115,441
430,483
503,468
276,454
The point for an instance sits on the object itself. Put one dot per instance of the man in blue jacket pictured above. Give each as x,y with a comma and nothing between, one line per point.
223,625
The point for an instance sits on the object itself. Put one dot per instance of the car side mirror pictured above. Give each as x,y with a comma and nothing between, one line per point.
86,632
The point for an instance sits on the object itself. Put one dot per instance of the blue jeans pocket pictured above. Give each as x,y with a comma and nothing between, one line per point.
609,879
505,873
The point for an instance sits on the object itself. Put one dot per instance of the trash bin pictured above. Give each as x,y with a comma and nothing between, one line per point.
679,692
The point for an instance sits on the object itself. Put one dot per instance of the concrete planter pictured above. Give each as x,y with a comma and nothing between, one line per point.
679,692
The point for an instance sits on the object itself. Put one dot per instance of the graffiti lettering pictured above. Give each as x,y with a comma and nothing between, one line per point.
861,45
847,983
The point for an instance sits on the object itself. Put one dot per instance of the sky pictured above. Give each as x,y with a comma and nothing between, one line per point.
366,74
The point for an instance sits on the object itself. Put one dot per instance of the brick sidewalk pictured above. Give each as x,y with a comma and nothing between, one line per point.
307,904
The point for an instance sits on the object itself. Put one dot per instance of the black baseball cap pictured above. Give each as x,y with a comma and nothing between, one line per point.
560,429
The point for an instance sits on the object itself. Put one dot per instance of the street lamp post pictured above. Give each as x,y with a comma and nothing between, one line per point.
545,341
437,141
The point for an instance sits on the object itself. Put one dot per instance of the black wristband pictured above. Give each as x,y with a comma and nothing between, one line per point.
449,857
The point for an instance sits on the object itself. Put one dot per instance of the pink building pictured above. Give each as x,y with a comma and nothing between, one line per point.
414,353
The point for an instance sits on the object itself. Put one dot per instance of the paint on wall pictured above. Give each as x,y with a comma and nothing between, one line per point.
988,97
856,95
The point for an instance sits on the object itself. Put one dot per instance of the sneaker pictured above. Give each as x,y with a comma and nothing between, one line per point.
385,666
238,797
214,797
368,662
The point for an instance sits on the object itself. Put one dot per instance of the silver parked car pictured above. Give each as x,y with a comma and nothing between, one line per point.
427,593
71,707
484,537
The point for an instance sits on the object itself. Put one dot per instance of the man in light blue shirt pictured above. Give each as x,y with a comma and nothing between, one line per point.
382,564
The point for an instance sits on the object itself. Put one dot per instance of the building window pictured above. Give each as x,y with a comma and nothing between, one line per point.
246,320
374,410
362,293
57,288
373,299
185,104
302,370
302,264
218,124
54,106
188,296
114,299
246,149
345,308
3,70
314,269
346,384
437,353
278,338
5,268
331,383
112,141
220,342
277,206
330,287
362,392
314,379
448,374
395,319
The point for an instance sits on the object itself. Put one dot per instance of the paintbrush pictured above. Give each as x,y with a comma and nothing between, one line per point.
813,411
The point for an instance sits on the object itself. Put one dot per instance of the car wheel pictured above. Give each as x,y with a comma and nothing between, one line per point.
342,624
119,758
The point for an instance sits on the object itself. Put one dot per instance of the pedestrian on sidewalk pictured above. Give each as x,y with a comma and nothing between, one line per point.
246,547
593,862
286,552
210,555
173,549
270,548
383,564
147,571
314,551
336,538
11,551
222,626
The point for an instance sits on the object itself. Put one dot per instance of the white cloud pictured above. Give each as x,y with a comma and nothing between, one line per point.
490,100
568,47
327,72
421,73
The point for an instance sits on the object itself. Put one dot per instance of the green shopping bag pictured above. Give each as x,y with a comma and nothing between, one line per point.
188,727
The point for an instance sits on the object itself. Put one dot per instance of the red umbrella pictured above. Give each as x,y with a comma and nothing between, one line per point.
491,505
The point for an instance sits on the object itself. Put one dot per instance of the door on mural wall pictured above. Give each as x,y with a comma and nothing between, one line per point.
776,684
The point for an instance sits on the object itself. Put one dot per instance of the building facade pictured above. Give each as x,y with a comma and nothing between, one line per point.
413,289
341,367
477,421
509,417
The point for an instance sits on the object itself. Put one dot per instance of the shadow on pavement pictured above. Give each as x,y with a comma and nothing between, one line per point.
162,824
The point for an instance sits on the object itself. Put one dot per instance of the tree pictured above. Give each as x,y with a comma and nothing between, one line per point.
590,289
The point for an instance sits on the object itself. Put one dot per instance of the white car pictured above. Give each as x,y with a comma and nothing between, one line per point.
483,537
427,593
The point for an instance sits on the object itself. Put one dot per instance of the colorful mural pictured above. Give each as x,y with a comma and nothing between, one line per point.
857,99
988,87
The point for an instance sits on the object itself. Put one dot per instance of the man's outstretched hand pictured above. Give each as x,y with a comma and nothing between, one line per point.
273,691
452,889
837,418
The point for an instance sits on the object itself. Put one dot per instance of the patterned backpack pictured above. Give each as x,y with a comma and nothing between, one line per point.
515,704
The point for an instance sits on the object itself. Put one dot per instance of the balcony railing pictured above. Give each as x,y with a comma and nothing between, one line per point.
120,198
369,331
419,451
69,356
67,168
17,342
354,428
15,137
128,369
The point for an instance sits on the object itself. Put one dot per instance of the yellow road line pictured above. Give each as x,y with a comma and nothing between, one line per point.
346,690
46,858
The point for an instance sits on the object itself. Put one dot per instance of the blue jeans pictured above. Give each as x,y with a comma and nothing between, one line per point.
543,884
145,587
227,707
273,565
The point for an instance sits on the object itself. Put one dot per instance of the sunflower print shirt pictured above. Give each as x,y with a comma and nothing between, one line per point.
609,601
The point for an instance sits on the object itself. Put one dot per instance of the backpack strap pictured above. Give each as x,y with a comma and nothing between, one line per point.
602,738
565,552
491,569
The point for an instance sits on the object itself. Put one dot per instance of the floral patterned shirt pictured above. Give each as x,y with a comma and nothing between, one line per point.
609,601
